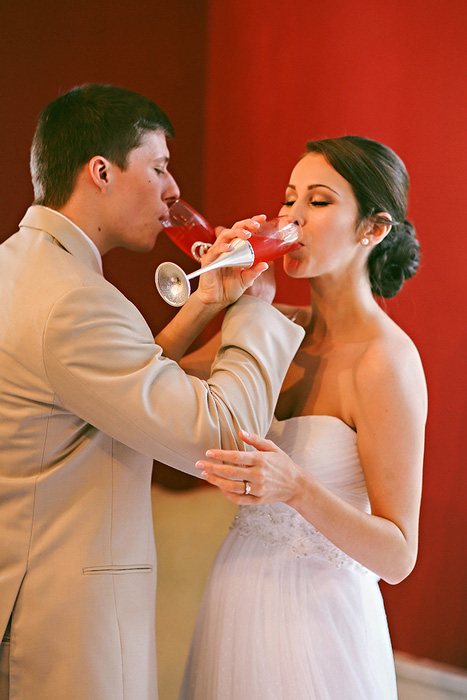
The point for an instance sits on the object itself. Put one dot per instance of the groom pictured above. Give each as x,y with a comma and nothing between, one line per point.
88,399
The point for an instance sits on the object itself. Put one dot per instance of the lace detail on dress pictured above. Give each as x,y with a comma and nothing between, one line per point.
287,528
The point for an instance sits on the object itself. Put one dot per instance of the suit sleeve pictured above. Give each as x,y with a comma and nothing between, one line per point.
104,367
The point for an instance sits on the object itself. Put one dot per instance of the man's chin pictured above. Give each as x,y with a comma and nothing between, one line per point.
143,246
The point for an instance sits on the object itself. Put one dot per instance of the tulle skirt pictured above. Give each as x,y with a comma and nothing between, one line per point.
274,625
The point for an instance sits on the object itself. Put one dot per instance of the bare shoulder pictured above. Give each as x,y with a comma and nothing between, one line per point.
300,314
391,365
392,349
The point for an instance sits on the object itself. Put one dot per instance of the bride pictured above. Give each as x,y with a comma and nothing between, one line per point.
329,501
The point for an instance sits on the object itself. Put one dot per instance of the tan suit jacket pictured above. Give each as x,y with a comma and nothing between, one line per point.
87,401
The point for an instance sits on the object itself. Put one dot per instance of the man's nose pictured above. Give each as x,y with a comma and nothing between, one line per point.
171,190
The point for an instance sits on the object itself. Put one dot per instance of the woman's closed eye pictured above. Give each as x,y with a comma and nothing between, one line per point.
314,203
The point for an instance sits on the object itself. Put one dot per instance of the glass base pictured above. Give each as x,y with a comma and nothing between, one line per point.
172,284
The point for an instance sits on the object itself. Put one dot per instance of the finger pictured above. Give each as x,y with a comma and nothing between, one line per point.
259,443
240,499
251,274
229,234
242,229
258,218
222,245
251,224
233,457
218,230
234,488
228,472
246,458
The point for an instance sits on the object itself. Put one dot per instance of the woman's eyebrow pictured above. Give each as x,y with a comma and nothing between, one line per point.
311,187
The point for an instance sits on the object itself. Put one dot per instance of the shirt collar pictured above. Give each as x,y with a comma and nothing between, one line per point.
68,234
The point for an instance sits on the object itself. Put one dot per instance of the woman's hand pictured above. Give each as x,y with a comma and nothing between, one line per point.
272,475
225,285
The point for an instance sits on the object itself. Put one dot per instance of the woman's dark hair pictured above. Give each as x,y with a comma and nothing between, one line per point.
88,121
380,184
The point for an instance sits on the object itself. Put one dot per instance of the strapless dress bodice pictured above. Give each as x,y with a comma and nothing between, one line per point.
327,448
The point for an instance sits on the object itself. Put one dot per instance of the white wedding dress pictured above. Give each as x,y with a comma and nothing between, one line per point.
286,615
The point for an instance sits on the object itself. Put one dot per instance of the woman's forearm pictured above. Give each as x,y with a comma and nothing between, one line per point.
185,327
372,540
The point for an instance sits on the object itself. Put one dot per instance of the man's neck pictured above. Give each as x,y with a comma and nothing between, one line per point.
92,243
86,217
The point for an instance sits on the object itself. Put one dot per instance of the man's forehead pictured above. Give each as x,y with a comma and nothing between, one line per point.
155,145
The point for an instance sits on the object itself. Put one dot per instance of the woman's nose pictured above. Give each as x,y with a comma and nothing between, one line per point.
297,213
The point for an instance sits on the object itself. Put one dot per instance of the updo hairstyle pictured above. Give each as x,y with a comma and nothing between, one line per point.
380,184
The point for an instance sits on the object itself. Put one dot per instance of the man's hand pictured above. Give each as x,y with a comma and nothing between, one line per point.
264,287
225,285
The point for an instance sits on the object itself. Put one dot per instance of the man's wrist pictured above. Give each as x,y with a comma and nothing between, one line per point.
203,309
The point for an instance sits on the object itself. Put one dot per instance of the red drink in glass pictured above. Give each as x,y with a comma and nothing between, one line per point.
188,229
274,238
185,236
267,248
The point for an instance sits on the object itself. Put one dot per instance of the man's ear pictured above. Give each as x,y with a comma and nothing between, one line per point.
99,170
375,229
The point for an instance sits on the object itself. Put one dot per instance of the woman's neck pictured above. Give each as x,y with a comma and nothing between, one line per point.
340,310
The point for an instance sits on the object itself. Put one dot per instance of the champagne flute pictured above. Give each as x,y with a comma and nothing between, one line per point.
188,229
271,240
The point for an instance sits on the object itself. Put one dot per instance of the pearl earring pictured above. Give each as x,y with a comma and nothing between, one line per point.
364,241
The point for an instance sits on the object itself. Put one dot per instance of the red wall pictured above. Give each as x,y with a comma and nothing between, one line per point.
396,72
151,46
245,90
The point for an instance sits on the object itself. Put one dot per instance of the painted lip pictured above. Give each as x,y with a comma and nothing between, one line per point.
291,253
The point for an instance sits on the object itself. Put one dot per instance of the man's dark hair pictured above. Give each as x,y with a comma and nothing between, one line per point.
89,120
